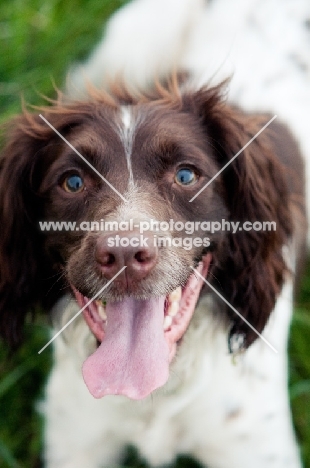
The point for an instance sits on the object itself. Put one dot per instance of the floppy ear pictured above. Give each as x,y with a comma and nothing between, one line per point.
24,270
251,273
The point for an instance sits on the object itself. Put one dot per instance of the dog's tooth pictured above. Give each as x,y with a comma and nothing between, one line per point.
101,310
176,294
173,308
167,322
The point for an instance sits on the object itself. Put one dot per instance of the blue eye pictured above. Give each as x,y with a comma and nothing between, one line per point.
186,176
73,184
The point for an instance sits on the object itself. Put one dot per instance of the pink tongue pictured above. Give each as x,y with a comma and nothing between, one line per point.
133,358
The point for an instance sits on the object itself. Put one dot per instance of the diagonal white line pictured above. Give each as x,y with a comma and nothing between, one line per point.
82,157
236,155
83,308
235,310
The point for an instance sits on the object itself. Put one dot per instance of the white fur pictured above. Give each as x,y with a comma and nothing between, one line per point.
144,39
227,414
127,130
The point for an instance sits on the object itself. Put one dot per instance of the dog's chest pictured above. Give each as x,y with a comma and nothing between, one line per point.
208,401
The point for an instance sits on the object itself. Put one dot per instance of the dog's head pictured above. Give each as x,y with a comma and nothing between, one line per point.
144,159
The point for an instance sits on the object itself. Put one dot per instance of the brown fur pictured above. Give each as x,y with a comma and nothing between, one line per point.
199,127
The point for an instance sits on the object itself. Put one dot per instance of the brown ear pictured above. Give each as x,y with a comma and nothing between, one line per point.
251,273
24,271
27,276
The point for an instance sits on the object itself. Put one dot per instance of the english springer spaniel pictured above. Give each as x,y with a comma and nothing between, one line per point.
173,284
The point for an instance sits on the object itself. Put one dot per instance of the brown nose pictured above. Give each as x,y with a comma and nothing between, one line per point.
135,251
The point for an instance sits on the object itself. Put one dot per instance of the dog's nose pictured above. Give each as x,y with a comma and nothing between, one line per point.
138,253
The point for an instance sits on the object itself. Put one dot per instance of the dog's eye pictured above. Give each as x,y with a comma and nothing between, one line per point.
73,184
186,176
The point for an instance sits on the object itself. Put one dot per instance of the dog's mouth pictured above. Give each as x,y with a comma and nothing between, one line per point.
138,338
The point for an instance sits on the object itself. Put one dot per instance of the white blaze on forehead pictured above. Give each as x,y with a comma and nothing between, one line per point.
126,116
126,131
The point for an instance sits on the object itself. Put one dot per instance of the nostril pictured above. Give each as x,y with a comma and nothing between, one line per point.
142,256
107,259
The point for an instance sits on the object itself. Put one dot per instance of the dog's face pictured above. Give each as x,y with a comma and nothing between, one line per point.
158,159
155,155
158,164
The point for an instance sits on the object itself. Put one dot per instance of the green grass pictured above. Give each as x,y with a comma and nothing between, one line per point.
22,379
300,367
39,40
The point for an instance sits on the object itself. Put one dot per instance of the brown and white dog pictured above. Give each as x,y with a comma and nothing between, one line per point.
164,311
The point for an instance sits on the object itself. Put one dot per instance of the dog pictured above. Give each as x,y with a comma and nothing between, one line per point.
174,318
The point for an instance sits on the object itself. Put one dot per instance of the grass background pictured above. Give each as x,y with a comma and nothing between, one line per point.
39,40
